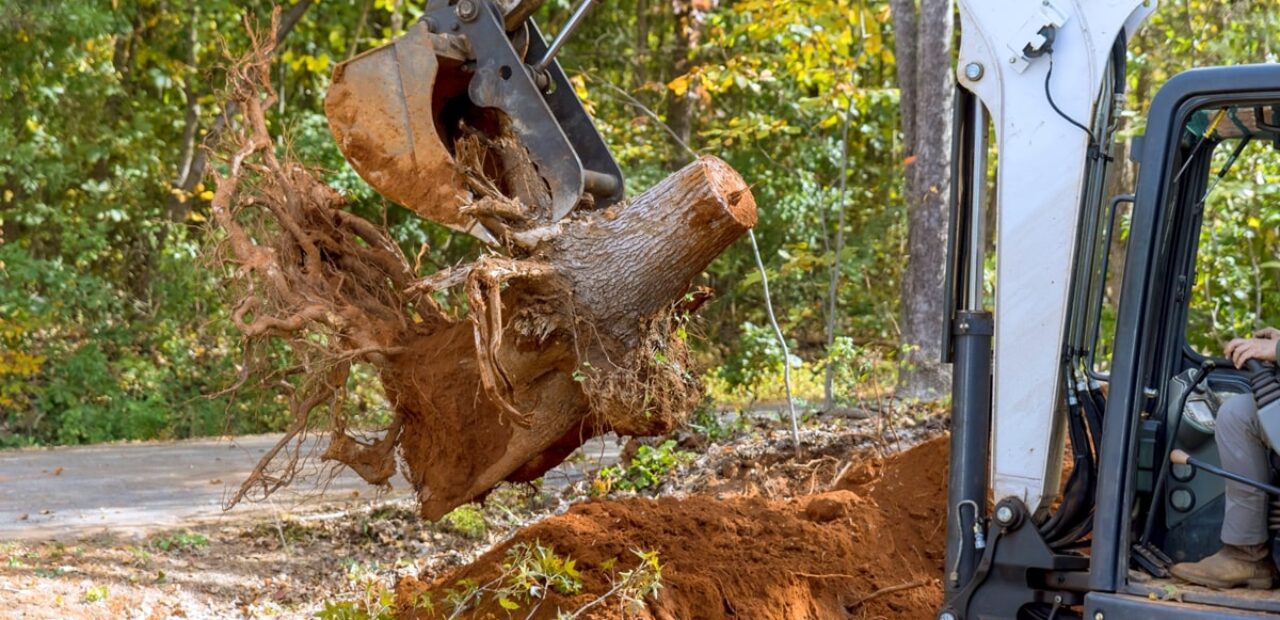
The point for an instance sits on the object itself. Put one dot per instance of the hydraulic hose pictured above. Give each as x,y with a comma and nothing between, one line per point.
1076,499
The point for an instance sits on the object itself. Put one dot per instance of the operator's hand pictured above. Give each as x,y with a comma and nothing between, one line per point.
1241,350
1267,333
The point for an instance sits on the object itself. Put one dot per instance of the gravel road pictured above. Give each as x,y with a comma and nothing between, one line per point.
135,489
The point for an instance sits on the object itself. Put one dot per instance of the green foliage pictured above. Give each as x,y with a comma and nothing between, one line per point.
180,541
50,573
530,572
112,324
113,321
374,601
711,425
356,610
533,570
647,468
467,521
633,586
759,354
1235,290
95,594
462,594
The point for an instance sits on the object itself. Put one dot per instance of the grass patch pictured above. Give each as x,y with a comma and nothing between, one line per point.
181,541
467,521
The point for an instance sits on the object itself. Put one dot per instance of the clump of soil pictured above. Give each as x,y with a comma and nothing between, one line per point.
872,548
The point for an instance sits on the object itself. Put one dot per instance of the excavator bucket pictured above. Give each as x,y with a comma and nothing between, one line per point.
381,108
469,70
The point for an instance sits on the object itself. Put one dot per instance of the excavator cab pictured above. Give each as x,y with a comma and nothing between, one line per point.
1185,506
1142,372
467,108
1203,124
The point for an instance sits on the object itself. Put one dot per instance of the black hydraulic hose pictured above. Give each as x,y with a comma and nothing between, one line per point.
1075,505
1119,63
1170,437
1079,523
1093,404
1106,265
1090,406
1049,528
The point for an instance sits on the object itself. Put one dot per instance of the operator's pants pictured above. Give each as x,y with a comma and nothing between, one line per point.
1244,451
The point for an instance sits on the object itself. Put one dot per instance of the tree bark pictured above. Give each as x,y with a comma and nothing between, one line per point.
927,86
905,42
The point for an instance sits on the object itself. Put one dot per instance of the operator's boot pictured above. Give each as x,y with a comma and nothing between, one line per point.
1231,567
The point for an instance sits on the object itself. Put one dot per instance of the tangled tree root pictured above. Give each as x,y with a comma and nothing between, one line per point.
573,332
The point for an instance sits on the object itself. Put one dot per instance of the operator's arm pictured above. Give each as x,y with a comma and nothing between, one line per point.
1264,346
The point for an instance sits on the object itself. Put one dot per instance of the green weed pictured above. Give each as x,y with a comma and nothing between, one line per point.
95,594
181,541
649,466
466,521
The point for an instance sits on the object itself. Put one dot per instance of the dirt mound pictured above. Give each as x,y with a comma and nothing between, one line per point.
872,548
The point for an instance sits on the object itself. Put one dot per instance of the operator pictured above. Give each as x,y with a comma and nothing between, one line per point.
1243,559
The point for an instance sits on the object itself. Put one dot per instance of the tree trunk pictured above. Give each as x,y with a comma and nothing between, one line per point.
905,41
572,336
680,106
928,83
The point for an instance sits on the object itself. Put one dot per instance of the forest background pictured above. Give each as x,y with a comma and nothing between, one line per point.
113,324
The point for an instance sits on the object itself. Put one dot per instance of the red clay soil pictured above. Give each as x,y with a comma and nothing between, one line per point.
872,548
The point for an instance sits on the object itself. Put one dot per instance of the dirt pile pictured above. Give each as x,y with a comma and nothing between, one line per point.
872,548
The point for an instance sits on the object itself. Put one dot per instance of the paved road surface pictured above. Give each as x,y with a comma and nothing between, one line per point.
133,489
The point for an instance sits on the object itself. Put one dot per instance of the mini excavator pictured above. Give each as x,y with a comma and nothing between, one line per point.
473,85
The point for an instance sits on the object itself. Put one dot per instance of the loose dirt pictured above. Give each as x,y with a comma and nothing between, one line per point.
870,548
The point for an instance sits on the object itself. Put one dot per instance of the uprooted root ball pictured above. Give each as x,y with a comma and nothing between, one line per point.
572,336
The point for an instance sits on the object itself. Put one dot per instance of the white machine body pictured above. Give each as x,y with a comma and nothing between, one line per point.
1039,187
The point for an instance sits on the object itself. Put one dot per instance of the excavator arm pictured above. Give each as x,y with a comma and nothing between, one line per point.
1046,74
1046,145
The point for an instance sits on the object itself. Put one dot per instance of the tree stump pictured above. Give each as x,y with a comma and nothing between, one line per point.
573,334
